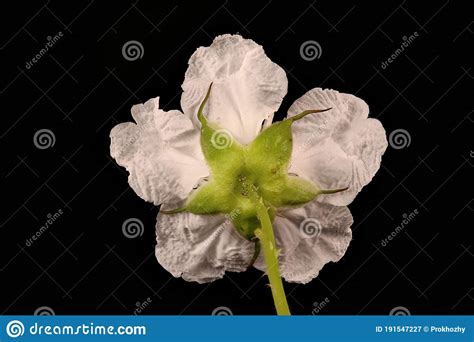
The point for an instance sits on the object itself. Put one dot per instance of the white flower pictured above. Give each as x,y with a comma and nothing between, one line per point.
335,149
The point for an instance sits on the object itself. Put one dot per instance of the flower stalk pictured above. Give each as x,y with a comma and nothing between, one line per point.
270,253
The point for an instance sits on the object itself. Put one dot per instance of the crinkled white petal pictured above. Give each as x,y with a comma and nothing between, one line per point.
308,238
338,148
161,152
200,248
247,86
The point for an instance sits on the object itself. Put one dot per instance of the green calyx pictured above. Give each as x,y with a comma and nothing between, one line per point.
248,184
244,175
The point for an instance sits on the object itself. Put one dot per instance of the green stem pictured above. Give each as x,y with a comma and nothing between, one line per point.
267,240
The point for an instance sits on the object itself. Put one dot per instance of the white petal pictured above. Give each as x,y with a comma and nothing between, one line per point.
338,148
161,153
247,86
309,238
200,248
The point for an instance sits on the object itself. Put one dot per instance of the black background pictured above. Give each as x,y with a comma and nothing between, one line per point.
83,86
